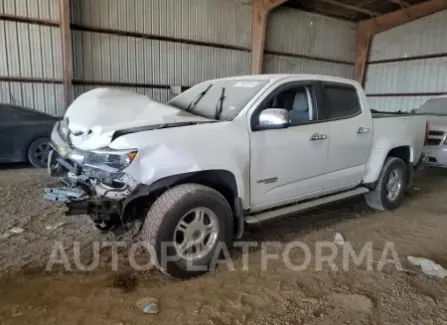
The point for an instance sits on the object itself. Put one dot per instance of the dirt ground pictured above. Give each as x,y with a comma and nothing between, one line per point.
279,295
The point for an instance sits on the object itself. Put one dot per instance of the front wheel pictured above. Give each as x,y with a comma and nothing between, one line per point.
38,152
391,186
185,227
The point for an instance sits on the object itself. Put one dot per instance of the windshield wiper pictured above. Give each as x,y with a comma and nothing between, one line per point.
198,98
219,105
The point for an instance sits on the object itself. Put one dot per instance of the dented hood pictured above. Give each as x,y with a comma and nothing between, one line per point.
106,110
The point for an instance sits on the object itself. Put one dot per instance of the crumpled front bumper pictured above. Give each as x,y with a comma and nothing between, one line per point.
65,194
82,183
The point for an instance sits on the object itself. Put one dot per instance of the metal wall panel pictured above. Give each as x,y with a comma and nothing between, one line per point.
407,77
48,98
282,64
39,9
28,50
104,57
219,21
299,32
395,104
420,37
161,95
425,36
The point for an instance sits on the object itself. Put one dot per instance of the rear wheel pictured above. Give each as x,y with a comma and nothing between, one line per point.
185,226
38,152
391,186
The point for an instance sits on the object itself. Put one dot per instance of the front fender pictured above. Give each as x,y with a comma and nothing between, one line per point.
184,150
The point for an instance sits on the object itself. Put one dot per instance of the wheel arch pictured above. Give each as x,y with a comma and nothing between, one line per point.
378,158
30,140
403,152
223,181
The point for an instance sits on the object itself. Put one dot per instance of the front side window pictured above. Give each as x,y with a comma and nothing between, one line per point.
341,101
220,100
297,100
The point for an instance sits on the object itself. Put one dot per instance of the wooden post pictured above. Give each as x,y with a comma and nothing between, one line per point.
261,8
67,62
368,28
362,45
403,16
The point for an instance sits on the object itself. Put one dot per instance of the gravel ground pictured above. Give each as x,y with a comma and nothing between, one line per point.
278,295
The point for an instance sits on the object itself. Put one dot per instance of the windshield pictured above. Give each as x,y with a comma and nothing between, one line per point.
437,106
221,99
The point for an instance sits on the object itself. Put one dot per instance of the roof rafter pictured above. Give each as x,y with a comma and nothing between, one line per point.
401,3
351,7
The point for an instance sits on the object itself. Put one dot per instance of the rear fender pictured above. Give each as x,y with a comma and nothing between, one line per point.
376,161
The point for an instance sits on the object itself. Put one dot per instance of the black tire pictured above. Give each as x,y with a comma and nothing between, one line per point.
166,213
378,198
38,152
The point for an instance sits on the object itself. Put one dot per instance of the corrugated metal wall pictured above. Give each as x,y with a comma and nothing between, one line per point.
39,9
301,42
162,95
30,55
224,22
114,58
155,44
31,51
408,64
149,45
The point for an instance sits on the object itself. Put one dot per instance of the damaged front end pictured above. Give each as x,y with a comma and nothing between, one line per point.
94,181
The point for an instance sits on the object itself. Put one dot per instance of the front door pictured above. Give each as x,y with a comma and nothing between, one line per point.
288,164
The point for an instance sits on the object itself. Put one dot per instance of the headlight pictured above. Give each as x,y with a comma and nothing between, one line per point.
109,159
63,127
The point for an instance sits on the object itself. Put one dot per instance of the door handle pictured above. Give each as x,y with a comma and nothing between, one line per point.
361,130
318,136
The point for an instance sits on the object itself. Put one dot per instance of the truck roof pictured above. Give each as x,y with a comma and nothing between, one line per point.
277,77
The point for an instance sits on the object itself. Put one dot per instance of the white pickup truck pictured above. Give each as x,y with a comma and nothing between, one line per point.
227,153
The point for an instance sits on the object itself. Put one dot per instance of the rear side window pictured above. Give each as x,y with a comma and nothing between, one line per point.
341,101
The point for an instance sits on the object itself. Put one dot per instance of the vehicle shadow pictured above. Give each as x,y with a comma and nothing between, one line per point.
13,166
287,228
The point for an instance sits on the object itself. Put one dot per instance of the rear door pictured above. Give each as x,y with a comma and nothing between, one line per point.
350,135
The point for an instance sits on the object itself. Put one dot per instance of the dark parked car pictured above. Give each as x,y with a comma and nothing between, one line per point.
25,135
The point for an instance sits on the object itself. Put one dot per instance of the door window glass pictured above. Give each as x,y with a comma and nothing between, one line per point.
297,101
342,101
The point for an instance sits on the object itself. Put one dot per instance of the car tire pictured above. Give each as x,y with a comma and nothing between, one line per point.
38,152
391,186
174,215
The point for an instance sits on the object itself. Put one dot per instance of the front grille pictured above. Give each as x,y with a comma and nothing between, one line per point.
433,142
436,133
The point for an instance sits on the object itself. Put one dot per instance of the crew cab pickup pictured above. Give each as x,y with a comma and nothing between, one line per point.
224,154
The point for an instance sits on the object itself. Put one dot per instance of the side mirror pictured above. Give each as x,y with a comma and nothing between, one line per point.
274,118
